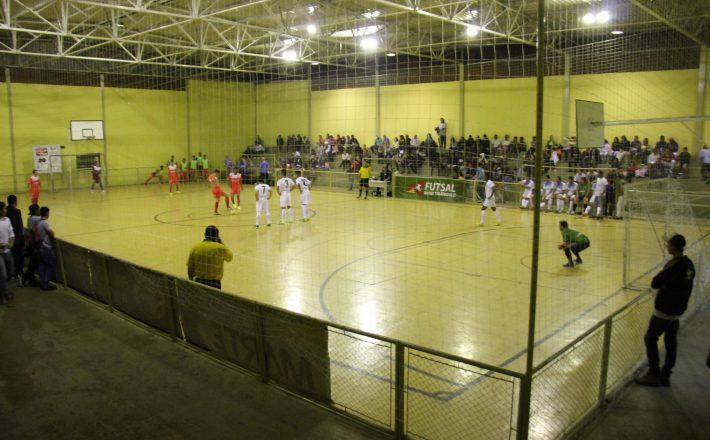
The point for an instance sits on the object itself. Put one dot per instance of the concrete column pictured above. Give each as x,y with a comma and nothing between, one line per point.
462,101
11,117
566,101
699,132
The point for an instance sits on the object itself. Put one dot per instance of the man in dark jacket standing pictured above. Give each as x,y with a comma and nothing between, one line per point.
675,283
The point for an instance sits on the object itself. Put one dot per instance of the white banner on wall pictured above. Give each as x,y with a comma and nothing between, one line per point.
44,155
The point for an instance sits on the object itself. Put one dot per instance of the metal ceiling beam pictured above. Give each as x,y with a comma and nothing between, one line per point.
666,21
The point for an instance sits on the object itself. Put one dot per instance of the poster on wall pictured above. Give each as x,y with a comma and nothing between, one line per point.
430,188
46,155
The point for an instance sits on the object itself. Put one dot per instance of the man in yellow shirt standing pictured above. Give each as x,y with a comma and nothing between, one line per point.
365,174
206,261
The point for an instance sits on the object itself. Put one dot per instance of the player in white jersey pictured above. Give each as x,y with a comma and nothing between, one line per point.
490,202
528,187
598,200
560,194
262,195
571,194
548,190
304,186
284,186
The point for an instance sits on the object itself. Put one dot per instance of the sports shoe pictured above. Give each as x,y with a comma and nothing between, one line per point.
256,226
578,261
665,381
499,223
269,225
480,225
305,220
648,380
239,208
569,264
217,213
177,192
282,222
232,211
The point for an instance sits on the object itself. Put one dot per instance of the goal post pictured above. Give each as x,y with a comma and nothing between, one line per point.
74,171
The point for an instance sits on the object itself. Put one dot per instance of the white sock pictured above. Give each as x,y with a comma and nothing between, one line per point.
304,208
483,216
586,211
290,213
258,217
497,214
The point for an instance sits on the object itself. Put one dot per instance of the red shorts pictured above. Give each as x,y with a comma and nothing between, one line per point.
206,172
217,192
236,190
173,179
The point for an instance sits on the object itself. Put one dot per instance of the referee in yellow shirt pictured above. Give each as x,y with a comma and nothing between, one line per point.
206,261
365,174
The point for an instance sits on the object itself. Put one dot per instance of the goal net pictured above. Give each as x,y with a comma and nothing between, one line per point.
74,171
655,210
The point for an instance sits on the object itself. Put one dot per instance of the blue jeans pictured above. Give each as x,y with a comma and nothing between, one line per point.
46,266
656,328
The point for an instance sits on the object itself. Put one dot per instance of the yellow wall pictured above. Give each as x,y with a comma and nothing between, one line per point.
42,114
281,108
222,118
144,127
641,95
345,112
508,106
416,109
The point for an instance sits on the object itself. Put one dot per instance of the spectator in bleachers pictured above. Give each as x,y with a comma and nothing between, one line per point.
661,144
704,157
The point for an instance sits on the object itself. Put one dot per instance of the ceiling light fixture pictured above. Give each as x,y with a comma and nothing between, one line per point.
472,30
311,29
315,63
368,43
589,18
617,32
290,55
371,13
603,17
391,54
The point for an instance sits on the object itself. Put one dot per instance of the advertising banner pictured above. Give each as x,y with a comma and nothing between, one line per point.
44,155
430,188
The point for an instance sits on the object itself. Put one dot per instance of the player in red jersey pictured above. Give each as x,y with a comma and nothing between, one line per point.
173,177
235,181
34,185
218,192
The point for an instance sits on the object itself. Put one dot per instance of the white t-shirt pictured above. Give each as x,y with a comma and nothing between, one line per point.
285,184
5,233
571,188
560,187
490,185
548,186
600,186
704,155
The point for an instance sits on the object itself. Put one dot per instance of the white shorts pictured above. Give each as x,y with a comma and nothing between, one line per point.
593,199
262,205
547,196
285,199
306,197
560,196
490,202
527,193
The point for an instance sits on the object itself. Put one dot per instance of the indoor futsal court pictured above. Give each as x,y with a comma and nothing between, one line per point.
402,312
423,272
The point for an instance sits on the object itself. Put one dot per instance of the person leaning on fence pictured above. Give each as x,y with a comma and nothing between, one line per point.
206,261
675,284
7,239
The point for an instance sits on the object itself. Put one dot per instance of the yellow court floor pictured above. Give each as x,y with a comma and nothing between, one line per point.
422,272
